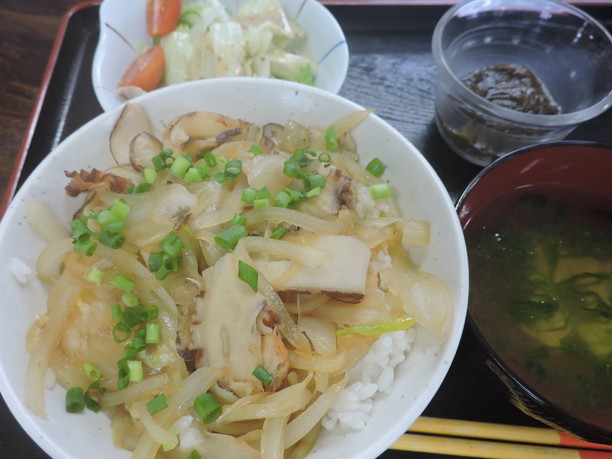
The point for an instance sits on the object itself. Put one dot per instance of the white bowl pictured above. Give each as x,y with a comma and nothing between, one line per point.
420,194
326,43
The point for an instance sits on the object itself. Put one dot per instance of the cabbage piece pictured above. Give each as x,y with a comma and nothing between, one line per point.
178,53
289,66
270,15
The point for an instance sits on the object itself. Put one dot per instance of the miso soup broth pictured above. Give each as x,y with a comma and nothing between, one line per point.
541,293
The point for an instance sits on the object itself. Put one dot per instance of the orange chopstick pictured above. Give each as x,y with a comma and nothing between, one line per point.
522,434
490,449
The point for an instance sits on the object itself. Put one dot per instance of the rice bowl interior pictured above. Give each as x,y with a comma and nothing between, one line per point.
419,192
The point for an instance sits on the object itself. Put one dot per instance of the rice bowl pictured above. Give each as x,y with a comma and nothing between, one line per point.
416,379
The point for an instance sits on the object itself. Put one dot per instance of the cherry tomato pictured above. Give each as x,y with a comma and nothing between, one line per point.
146,71
162,16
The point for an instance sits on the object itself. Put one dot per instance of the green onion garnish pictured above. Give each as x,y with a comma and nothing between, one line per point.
121,332
325,157
312,181
248,274
95,276
153,333
194,454
278,232
210,159
228,238
171,244
282,199
75,402
375,167
129,299
263,375
157,404
207,407
256,149
261,203
91,397
381,190
135,373
122,282
180,165
331,139
162,160
92,372
116,311
149,175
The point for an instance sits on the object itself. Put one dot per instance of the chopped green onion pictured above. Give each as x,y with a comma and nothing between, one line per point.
160,161
79,229
121,332
375,167
157,404
75,402
153,333
377,328
140,188
194,454
314,181
282,199
129,299
171,244
228,238
248,274
180,165
207,407
92,372
238,219
325,157
249,195
123,376
256,149
210,159
120,208
193,176
381,191
95,276
293,166
116,311
156,260
135,373
130,352
112,240
135,315
149,175
115,227
263,375
278,232
331,139
313,192
233,168
92,402
85,247
261,203
122,282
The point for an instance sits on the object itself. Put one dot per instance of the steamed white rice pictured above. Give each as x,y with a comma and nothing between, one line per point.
371,378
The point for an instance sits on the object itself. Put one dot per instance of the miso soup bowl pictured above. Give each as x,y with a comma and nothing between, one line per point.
582,168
